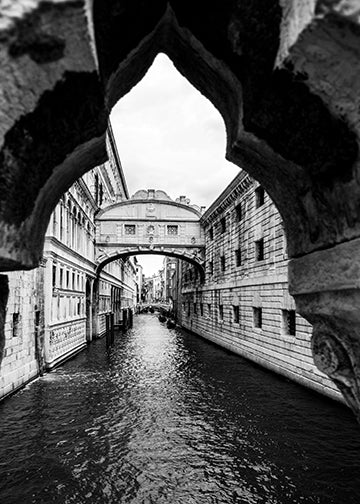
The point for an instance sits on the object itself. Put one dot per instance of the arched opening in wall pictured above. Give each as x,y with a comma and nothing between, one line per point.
171,138
196,264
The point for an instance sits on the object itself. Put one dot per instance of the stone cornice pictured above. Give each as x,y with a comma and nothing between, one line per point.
239,185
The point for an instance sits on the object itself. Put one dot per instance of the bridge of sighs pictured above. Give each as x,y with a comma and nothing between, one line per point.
150,222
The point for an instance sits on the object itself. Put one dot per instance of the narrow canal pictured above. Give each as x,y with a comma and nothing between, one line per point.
164,417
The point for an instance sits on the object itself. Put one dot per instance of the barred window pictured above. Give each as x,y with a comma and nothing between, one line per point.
257,312
236,314
223,225
259,250
130,229
211,268
15,324
289,322
222,263
259,197
172,230
238,257
238,212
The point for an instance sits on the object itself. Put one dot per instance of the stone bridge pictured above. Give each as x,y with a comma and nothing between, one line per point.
150,223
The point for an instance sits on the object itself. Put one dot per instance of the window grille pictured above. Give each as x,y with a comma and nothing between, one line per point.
15,324
211,268
257,317
238,257
259,197
236,314
130,229
238,212
289,322
172,230
259,250
222,263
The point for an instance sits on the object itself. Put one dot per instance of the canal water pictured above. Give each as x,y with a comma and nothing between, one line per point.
165,417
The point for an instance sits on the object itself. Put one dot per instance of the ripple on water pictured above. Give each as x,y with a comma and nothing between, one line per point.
165,417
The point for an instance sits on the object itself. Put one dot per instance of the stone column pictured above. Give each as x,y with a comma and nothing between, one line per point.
326,288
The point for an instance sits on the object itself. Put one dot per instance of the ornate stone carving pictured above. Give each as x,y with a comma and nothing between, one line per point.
325,286
65,338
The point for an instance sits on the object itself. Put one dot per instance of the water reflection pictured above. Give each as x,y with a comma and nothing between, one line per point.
165,417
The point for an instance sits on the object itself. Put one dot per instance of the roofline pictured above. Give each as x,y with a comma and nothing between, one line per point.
155,201
240,182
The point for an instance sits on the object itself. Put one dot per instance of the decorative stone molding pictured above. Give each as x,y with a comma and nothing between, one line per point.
326,288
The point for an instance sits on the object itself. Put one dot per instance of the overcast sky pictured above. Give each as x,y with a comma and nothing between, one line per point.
170,137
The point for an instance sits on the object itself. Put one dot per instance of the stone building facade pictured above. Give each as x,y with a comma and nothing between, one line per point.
244,304
56,309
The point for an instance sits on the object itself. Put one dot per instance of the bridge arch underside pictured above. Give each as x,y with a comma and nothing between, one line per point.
182,255
285,80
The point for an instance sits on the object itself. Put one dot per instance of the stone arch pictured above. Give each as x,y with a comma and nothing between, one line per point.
285,81
243,73
105,259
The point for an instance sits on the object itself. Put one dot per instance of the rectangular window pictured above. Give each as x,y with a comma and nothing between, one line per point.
236,316
190,275
289,322
221,312
257,317
61,277
259,250
16,324
130,229
211,233
211,268
201,309
172,230
67,278
188,312
209,309
238,212
259,197
184,306
238,257
222,263
54,275
223,225
195,308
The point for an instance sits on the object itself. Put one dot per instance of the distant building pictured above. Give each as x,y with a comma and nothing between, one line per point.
54,310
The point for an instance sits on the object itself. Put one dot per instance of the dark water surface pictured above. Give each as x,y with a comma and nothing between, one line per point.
165,417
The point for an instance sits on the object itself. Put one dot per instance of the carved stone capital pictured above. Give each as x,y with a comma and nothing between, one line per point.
326,288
